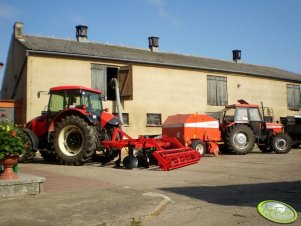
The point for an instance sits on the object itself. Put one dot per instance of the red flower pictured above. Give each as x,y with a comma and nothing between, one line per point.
14,133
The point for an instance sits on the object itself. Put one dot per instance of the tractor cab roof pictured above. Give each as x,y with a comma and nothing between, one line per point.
74,87
242,106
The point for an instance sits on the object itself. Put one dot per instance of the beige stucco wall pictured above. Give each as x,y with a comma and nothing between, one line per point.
171,91
273,93
46,72
156,90
13,69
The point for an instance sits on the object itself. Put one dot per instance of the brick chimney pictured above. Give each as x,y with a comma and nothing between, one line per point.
153,43
82,33
236,55
18,30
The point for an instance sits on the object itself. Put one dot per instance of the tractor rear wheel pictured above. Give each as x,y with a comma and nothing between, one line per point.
199,146
74,141
282,143
29,153
240,139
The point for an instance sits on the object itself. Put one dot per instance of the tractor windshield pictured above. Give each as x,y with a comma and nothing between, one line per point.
63,99
92,101
242,114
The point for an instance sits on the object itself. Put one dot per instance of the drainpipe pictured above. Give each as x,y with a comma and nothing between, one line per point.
114,82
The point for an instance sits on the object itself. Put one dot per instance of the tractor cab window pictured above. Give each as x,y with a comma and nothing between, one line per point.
72,99
56,101
254,115
229,115
241,114
92,101
247,114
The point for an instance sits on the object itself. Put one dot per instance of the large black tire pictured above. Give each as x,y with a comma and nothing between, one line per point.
74,141
281,143
240,139
29,153
199,146
48,156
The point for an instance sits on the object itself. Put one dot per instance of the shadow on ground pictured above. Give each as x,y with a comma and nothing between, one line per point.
245,194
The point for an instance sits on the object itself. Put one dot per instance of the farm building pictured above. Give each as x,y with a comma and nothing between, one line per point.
153,84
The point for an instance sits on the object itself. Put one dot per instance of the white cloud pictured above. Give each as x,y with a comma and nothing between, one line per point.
8,12
163,12
160,5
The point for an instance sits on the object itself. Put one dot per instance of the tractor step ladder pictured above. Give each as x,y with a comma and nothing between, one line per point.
169,152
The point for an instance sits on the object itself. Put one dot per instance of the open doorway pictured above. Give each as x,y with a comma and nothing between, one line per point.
111,73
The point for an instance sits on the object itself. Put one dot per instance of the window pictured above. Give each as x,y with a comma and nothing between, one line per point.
99,78
250,114
125,78
254,115
153,119
125,118
56,101
217,94
293,97
102,75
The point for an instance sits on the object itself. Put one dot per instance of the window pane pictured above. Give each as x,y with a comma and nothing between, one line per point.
56,101
297,97
254,114
211,90
99,78
293,97
153,119
241,114
217,94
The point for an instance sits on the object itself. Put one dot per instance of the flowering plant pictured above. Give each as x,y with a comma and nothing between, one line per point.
12,140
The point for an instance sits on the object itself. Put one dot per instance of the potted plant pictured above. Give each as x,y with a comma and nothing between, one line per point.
12,144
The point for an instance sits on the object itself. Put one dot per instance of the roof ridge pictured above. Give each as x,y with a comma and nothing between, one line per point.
131,47
144,55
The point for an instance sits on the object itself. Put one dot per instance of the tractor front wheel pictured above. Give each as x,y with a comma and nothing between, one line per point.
199,146
240,139
281,143
74,141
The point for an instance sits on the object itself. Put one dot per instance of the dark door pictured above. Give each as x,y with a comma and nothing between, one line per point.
259,129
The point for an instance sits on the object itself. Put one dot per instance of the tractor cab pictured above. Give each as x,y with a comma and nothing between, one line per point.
242,125
245,114
66,97
63,101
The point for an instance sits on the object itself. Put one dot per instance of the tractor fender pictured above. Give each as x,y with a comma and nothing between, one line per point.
33,137
80,112
108,119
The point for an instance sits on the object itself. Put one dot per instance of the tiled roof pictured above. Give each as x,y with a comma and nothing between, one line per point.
113,52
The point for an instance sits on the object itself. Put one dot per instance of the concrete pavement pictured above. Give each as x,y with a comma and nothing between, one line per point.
223,190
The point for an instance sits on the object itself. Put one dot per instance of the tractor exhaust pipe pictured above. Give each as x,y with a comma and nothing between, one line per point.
262,108
115,84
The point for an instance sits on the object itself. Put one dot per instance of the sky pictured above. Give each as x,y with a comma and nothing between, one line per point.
268,32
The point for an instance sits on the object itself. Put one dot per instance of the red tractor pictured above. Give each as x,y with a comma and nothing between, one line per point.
71,129
242,126
76,128
239,128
